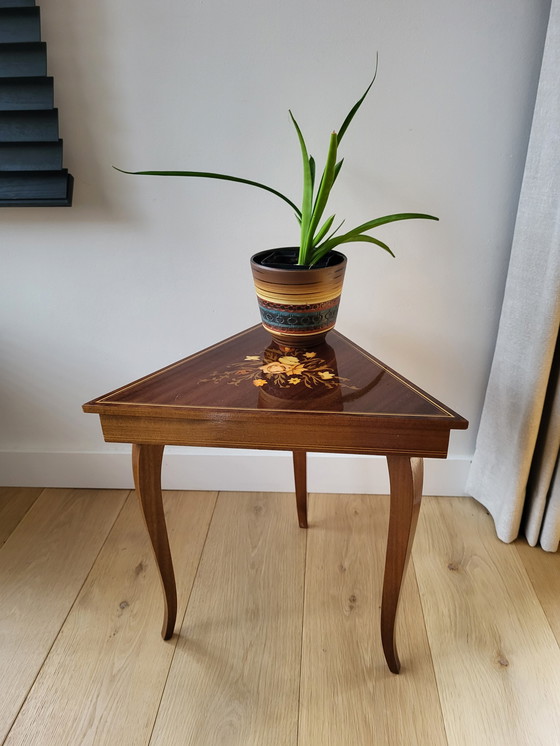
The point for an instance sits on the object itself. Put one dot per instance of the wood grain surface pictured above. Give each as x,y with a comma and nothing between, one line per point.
543,569
280,643
109,657
14,504
348,696
247,393
43,565
236,669
496,660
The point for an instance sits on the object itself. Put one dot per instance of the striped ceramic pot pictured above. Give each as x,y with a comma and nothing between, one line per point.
298,305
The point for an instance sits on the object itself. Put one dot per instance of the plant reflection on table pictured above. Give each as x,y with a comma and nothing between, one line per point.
300,379
290,378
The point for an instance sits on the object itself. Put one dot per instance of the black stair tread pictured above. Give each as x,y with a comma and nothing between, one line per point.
35,92
29,125
20,24
23,59
16,3
31,156
24,186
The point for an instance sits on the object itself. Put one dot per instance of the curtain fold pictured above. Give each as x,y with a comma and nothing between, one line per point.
542,504
515,471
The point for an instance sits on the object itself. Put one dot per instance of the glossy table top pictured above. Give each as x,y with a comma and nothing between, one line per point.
247,392
250,372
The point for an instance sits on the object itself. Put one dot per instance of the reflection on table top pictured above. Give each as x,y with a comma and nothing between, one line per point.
250,372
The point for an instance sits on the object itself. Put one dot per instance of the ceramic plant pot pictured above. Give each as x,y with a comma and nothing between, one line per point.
298,305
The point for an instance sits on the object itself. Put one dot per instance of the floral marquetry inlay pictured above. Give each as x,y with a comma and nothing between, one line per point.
282,368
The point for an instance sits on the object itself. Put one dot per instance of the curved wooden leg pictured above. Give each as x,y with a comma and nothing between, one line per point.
300,474
405,476
146,464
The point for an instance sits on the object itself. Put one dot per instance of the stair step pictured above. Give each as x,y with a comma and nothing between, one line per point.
20,24
29,126
31,156
23,59
35,188
16,3
18,94
31,173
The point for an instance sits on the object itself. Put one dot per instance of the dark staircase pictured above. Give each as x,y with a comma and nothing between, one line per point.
31,172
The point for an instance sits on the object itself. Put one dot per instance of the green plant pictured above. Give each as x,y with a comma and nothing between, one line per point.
315,239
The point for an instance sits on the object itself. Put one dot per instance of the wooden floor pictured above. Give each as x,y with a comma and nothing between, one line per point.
279,642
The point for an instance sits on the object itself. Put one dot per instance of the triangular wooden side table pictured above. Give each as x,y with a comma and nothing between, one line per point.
247,392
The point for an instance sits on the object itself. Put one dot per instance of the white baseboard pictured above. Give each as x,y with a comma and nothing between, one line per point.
220,469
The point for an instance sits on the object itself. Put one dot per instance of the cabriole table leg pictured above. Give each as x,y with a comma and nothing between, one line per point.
406,476
300,475
146,464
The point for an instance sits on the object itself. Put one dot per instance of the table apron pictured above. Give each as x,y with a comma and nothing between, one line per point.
358,435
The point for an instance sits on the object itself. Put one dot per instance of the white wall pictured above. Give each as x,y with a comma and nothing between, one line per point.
101,293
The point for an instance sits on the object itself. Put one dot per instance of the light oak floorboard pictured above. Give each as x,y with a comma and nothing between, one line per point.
543,569
235,675
496,660
348,696
14,504
103,679
43,565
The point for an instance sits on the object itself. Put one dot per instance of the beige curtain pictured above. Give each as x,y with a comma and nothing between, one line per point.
515,472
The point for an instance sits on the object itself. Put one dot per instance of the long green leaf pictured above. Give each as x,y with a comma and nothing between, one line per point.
324,189
356,233
307,199
312,169
322,232
207,175
336,172
337,169
390,219
357,105
324,249
338,227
